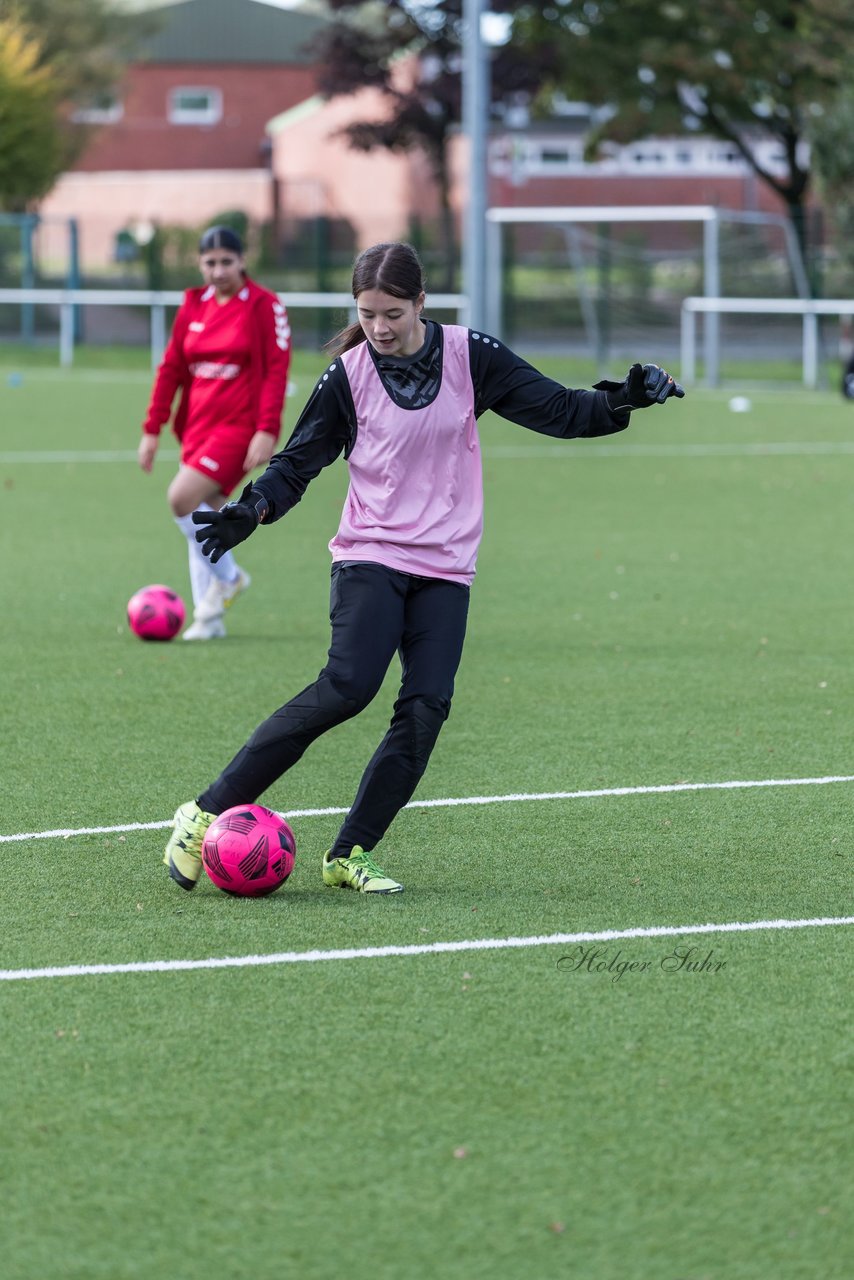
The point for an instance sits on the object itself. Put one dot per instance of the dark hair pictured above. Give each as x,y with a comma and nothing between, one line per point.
220,238
393,268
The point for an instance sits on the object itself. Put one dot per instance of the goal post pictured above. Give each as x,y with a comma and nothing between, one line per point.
710,218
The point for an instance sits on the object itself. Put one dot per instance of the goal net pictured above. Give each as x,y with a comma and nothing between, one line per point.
608,282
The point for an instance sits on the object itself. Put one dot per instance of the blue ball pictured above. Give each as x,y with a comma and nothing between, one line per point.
15,379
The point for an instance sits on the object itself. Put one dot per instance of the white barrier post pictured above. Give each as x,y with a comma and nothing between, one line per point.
66,334
158,333
688,347
810,349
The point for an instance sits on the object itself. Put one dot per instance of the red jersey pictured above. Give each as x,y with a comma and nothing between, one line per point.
230,362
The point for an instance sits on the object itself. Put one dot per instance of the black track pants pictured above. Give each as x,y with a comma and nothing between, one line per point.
374,612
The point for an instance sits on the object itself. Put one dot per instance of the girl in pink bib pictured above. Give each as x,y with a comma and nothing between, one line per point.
400,400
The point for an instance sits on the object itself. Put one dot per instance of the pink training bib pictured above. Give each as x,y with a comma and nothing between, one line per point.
415,501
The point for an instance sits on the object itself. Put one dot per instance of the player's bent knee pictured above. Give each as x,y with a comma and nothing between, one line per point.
319,707
425,717
181,503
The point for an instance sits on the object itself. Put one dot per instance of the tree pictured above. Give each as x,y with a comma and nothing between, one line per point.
736,69
29,144
55,55
833,157
361,49
86,43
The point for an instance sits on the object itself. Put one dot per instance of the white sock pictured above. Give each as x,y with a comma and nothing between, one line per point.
200,575
200,566
225,569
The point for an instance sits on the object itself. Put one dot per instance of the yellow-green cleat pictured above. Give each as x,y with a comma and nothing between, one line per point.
358,872
183,854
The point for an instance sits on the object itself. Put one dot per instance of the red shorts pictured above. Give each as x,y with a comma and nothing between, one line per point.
218,453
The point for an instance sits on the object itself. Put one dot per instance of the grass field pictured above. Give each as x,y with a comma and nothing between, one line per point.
660,642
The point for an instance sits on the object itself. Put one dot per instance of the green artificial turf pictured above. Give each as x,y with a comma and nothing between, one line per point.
666,607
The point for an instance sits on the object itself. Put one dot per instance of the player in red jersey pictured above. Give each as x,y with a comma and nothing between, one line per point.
228,355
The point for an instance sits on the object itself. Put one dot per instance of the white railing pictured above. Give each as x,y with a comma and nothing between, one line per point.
157,302
809,309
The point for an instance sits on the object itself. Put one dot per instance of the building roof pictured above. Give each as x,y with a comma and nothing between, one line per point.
233,31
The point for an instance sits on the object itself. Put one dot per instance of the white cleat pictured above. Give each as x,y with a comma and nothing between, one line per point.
205,629
221,596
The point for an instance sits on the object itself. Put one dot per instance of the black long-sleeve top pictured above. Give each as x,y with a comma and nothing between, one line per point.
502,380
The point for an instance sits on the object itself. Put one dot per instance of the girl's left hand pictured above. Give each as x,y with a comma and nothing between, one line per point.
146,451
260,450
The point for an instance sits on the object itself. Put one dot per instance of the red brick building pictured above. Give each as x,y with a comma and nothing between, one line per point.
203,87
185,134
220,111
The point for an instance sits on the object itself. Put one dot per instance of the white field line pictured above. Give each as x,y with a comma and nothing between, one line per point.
18,378
421,949
40,373
447,802
81,455
747,449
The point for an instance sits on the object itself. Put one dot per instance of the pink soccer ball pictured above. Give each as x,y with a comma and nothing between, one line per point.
156,613
249,851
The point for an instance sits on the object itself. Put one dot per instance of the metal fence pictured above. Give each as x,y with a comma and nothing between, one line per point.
67,301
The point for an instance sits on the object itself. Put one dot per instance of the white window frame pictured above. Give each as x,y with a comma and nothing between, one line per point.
522,158
211,114
107,113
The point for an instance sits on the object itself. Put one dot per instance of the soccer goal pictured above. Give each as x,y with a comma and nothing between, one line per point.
808,310
606,281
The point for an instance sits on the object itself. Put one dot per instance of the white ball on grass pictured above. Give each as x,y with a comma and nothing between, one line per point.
740,404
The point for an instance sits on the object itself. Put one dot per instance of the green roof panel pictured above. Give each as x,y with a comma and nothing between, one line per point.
206,31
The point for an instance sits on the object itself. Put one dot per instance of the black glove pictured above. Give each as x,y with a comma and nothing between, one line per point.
222,530
645,384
